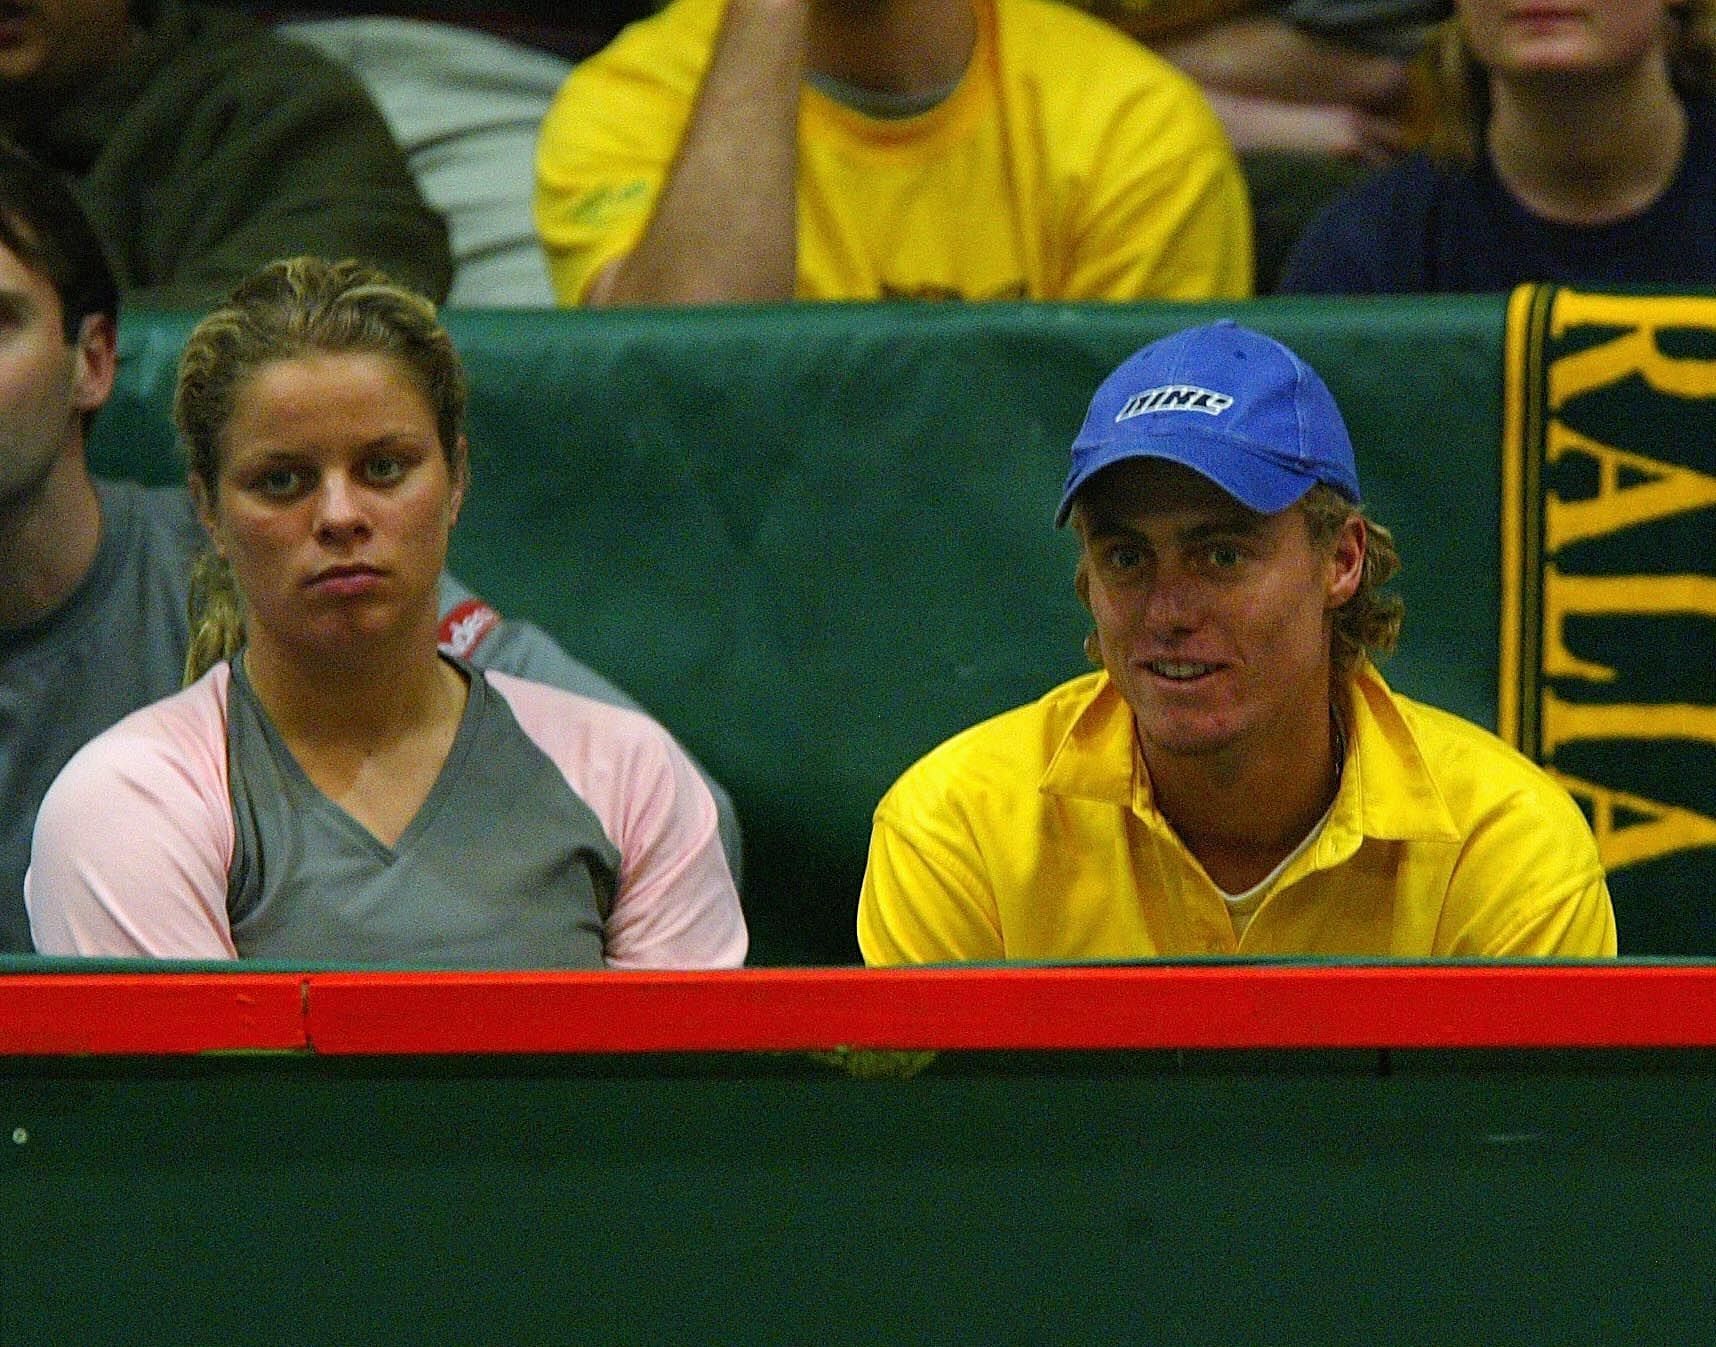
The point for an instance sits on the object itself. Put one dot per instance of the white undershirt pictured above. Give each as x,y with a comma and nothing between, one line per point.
1243,906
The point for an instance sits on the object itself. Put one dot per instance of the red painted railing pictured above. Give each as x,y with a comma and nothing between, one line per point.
1155,1006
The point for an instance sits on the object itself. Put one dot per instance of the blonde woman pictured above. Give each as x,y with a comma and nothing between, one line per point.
1575,141
331,787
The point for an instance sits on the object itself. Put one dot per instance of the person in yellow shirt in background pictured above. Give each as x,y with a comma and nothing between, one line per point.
758,150
1237,778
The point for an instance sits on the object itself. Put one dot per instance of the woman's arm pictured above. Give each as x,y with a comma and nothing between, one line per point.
134,838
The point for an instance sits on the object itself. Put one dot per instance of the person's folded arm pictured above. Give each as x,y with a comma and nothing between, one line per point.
725,225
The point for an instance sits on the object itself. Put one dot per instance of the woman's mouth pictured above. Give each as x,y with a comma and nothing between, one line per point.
345,581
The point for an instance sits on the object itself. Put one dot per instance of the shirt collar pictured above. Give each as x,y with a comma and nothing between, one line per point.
1387,791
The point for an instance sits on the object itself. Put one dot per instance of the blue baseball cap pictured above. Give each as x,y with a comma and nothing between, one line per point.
1227,402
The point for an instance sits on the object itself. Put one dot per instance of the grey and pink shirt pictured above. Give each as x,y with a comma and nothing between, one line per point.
560,833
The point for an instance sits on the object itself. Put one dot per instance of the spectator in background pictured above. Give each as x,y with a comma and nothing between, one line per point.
95,574
1314,93
202,146
466,108
336,787
1237,777
759,150
1574,142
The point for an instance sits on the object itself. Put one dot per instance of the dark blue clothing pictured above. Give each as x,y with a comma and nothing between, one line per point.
1423,227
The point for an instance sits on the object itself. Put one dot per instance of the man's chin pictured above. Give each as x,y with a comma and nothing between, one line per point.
1177,738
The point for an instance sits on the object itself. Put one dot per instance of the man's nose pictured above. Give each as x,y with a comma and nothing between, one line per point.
1175,601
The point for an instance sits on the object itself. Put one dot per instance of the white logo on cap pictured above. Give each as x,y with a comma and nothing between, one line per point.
1175,398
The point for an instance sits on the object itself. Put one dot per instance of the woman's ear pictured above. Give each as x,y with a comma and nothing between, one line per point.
205,512
461,479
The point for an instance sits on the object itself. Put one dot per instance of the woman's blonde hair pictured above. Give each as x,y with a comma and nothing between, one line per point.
1457,92
1367,624
293,308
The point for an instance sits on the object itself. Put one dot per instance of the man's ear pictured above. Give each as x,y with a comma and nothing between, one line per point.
1346,560
97,362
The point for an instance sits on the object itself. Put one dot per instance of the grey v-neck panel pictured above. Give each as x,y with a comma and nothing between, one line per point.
504,866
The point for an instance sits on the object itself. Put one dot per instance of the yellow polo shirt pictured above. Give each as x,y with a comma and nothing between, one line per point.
1033,836
1069,163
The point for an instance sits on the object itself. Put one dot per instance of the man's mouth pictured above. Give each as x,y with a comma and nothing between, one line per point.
1179,670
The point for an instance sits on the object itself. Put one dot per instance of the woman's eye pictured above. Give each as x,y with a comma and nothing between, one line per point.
279,482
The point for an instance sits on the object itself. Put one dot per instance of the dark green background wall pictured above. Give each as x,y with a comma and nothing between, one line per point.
817,540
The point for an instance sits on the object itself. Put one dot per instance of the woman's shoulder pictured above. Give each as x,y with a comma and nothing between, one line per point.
160,755
562,721
188,724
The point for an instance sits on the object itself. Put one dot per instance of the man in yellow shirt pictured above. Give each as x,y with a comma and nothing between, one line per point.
1237,778
757,150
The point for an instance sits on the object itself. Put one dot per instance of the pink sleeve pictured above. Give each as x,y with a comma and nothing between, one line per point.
676,906
135,836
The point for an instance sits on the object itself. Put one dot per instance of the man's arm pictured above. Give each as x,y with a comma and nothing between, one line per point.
1277,87
725,225
924,899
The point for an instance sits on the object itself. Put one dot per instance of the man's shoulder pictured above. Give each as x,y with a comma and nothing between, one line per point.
671,46
220,54
1087,52
225,36
1082,31
1009,751
159,522
1107,105
1475,770
185,729
1441,731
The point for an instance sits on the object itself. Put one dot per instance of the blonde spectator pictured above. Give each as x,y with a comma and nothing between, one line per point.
1573,143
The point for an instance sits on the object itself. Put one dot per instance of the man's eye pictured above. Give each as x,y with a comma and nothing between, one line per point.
1224,556
1122,557
384,469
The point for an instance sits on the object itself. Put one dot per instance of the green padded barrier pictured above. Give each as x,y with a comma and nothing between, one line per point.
1317,1198
817,540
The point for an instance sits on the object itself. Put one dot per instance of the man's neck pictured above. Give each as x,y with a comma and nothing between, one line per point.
1588,152
1242,812
49,536
901,47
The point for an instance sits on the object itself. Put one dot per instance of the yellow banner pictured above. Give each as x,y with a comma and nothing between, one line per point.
1608,622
